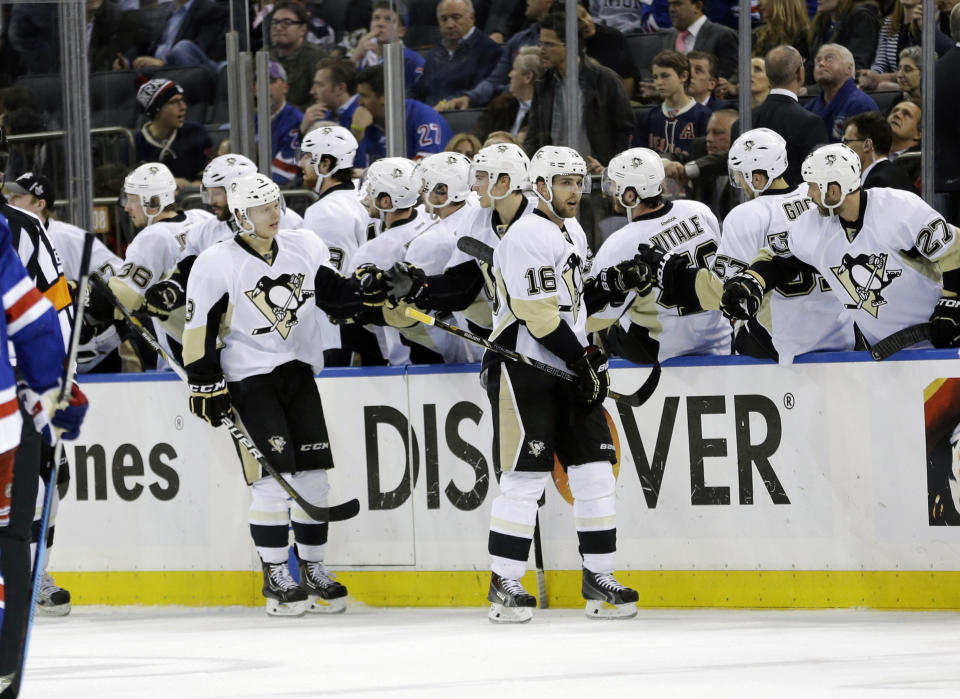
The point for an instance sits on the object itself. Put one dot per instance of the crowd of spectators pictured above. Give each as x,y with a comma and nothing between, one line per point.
663,75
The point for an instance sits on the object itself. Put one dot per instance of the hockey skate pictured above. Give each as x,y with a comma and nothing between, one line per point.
325,595
607,598
511,604
284,596
52,600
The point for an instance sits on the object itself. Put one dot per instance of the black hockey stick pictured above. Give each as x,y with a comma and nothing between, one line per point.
633,400
476,248
336,513
901,339
538,557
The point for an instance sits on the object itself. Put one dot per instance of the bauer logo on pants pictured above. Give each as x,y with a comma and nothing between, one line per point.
279,300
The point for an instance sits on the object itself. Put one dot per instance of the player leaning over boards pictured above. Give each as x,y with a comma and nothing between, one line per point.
540,312
891,259
256,296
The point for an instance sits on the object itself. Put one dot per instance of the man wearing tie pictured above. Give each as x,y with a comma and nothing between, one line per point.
693,31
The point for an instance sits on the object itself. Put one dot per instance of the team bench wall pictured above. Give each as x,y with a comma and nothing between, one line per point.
740,484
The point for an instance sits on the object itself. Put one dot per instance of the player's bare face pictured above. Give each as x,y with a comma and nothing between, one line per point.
567,190
833,197
309,173
134,210
266,218
437,196
218,203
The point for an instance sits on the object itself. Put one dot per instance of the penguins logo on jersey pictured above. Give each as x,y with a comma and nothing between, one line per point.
865,277
572,276
279,300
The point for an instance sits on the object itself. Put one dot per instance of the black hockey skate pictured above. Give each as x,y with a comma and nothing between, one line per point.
510,603
607,598
52,599
326,595
284,596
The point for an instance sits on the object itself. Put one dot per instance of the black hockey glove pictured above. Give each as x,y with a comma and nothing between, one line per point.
161,299
742,296
406,282
592,370
209,399
945,323
371,285
630,275
656,258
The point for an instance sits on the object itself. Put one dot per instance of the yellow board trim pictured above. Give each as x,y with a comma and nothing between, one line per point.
393,588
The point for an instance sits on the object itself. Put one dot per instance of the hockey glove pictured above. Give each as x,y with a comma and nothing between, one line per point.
630,275
161,299
945,323
592,371
51,418
656,258
405,282
210,400
742,296
371,285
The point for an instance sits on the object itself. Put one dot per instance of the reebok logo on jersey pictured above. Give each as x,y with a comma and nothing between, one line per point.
277,443
279,300
864,278
536,447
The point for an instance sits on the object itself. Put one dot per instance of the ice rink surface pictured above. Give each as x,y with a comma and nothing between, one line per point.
240,653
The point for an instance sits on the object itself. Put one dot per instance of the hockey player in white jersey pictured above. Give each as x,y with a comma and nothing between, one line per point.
656,326
890,259
251,345
540,313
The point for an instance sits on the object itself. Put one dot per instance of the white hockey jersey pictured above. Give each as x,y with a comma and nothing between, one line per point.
886,273
682,227
538,267
213,230
262,314
802,315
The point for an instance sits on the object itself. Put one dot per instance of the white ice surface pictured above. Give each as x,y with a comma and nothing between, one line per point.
240,653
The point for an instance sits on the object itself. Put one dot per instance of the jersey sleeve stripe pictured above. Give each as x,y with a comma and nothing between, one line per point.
23,307
9,407
59,294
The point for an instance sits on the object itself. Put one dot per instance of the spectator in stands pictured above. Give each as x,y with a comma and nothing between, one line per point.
944,7
465,56
498,80
906,126
32,32
947,126
759,82
112,32
604,103
900,30
504,19
673,126
839,97
781,111
850,23
183,146
334,93
869,136
704,172
607,46
909,73
285,122
693,31
427,132
464,143
784,22
703,80
290,48
631,16
496,137
509,111
319,32
193,35
386,26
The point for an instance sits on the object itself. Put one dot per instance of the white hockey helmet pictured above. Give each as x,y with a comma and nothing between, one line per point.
757,149
451,170
396,177
248,191
502,159
154,186
333,141
833,163
554,161
638,168
223,170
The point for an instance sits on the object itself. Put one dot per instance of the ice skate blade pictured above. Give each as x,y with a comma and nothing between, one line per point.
318,605
598,609
499,614
54,609
278,608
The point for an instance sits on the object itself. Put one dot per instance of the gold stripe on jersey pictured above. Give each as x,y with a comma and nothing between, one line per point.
59,294
397,317
921,265
643,312
508,420
709,289
195,341
126,295
541,316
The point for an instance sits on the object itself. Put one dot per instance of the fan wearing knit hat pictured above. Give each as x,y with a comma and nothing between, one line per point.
168,137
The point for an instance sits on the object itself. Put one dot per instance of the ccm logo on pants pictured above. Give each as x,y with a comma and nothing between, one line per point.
316,446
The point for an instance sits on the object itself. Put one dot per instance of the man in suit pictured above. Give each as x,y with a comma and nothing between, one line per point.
781,112
693,31
192,35
869,136
946,125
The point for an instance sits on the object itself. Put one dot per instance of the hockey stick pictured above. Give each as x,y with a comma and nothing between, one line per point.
633,400
538,557
337,513
901,339
475,248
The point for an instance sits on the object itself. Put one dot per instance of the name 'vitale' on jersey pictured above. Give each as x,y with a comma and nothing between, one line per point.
679,230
